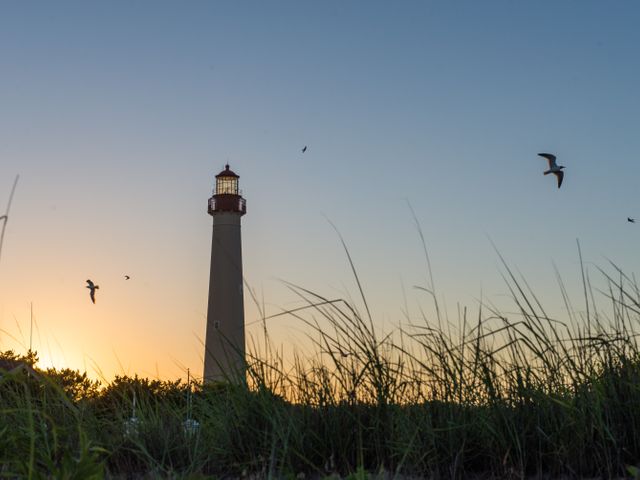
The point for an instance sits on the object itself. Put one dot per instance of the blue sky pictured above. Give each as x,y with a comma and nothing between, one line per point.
117,116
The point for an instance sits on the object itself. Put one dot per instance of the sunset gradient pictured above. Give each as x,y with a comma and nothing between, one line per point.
117,116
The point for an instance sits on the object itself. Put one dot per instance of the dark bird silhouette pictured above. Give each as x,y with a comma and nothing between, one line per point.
631,220
553,167
127,277
304,149
92,287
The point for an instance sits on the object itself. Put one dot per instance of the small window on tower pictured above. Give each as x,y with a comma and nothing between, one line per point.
216,325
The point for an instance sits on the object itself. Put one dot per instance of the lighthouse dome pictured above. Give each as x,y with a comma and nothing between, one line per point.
227,172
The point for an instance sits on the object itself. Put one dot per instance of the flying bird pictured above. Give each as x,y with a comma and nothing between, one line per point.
92,287
127,277
631,220
304,149
553,167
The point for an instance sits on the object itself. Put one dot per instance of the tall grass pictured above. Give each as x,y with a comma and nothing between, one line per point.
5,217
501,395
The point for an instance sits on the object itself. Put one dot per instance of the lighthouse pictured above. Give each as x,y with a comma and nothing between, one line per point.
224,342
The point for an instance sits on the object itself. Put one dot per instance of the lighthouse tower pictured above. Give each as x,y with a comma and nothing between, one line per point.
224,344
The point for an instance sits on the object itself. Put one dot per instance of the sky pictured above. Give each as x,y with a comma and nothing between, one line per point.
117,116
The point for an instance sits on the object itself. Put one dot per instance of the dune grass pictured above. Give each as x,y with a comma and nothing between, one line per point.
499,396
5,218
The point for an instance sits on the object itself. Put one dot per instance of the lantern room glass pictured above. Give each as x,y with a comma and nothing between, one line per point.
227,185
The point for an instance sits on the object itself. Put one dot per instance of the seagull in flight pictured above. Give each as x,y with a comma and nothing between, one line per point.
631,220
92,287
127,277
304,149
553,167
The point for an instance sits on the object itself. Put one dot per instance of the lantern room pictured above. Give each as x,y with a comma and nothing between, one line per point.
226,195
226,182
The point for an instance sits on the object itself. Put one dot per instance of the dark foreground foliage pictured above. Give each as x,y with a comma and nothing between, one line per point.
518,397
47,428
